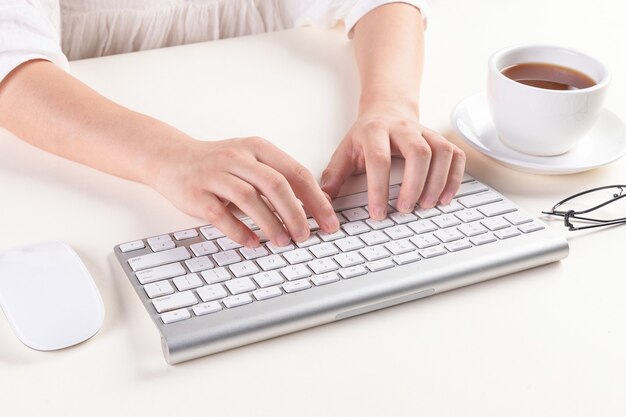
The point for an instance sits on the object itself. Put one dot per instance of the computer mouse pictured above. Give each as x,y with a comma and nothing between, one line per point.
48,296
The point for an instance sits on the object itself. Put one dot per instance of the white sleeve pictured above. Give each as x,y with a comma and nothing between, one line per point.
29,29
327,13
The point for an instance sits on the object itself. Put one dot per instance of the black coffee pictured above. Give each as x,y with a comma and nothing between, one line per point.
548,76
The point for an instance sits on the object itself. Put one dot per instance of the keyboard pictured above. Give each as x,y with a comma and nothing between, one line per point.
206,293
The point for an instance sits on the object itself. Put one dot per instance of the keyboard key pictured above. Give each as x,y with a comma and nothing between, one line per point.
161,246
204,248
186,234
237,300
398,232
380,265
507,233
294,286
469,215
476,200
433,251
187,282
199,264
496,209
265,293
402,218
355,228
159,239
458,245
373,253
355,214
422,226
268,278
353,271
467,177
495,223
379,224
313,226
328,237
324,249
472,229
249,223
212,292
324,279
131,246
424,241
312,240
279,249
243,269
424,213
350,201
446,220
227,243
448,235
161,272
530,227
450,208
253,253
215,275
349,259
323,265
271,262
174,316
262,236
158,289
210,232
398,247
240,285
227,257
174,301
341,219
518,218
483,239
294,272
471,187
407,258
375,237
349,243
297,256
206,308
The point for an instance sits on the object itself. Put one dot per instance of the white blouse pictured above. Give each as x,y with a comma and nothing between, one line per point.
58,30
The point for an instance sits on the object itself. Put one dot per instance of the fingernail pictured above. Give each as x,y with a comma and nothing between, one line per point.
379,212
428,202
282,239
405,206
302,235
332,222
446,198
252,243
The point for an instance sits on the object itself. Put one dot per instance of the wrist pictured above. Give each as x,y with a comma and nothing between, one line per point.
384,101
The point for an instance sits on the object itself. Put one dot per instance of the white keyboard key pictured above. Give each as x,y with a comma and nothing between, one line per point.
158,289
174,316
253,253
355,214
353,271
379,224
294,286
467,177
262,236
227,257
243,269
407,258
495,223
249,223
375,237
341,219
373,253
496,209
174,301
530,227
458,245
199,264
237,300
328,237
350,201
355,228
312,240
398,232
471,187
446,220
271,262
186,234
265,293
294,272
518,218
215,275
472,229
424,241
398,247
160,272
480,199
424,213
432,252
188,282
240,285
313,226
131,246
210,232
380,265
507,233
483,239
422,226
206,308
161,246
402,218
324,249
227,243
297,256
279,249
349,243
448,235
323,265
349,259
159,239
212,292
268,278
469,215
204,248
450,208
324,279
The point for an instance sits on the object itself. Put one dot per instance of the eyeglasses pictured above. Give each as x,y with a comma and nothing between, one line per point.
597,207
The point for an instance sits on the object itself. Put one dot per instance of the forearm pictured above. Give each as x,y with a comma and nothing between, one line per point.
389,49
52,110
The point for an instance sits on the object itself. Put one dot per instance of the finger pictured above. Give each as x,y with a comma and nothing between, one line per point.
247,198
439,167
219,216
303,184
417,155
377,154
337,171
455,176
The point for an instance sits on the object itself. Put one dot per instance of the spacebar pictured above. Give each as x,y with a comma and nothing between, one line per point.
159,258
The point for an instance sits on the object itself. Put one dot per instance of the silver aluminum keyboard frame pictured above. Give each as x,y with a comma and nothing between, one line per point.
230,328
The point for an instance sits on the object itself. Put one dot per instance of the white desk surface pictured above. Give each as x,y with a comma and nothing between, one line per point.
545,342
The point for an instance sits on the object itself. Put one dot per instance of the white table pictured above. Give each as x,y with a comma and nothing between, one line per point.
545,342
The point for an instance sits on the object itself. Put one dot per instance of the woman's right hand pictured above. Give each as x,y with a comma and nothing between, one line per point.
201,178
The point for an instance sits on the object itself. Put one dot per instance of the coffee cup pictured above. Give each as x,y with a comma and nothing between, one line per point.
544,99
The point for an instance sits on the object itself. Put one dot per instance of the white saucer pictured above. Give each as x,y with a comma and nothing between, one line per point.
605,143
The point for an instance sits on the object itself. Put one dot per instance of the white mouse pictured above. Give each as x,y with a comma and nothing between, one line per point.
48,296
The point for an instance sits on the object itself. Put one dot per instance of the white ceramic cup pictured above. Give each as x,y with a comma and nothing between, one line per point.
540,121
